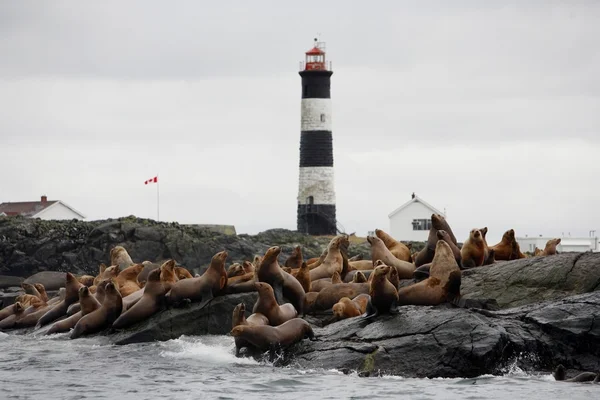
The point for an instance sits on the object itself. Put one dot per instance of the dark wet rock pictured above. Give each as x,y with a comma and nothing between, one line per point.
10,281
535,279
51,280
214,319
28,246
458,342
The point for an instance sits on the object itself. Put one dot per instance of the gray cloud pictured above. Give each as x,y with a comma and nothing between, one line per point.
490,111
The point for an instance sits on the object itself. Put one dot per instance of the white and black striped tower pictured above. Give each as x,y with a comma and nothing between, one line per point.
316,192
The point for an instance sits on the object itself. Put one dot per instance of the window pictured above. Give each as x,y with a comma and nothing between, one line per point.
310,200
322,117
421,224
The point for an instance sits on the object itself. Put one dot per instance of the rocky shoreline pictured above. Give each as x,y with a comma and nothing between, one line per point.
536,312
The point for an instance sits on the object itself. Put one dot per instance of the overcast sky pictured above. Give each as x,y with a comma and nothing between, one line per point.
491,111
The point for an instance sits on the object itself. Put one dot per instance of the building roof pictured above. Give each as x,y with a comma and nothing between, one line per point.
415,199
32,208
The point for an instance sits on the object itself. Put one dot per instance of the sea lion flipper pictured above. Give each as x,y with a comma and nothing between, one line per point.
207,296
371,311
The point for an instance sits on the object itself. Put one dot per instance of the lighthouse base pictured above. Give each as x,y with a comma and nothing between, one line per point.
317,219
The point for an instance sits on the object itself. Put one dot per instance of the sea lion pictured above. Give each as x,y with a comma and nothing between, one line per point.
384,295
9,321
380,252
349,308
127,279
60,295
560,374
31,290
203,289
508,248
72,286
88,304
283,284
333,261
10,310
130,300
183,273
239,318
168,277
149,266
322,283
107,273
538,252
303,276
151,302
102,317
235,269
550,248
362,265
295,260
98,278
267,306
359,277
29,300
398,249
442,285
119,256
86,280
473,250
438,222
490,258
42,291
327,297
256,261
265,337
350,275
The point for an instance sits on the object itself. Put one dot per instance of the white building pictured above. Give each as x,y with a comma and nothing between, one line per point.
43,209
412,220
567,244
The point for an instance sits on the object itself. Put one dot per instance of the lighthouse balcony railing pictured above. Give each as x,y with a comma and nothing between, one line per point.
314,66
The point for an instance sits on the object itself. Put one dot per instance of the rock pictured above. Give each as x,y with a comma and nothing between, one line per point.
535,279
8,281
214,319
450,342
51,280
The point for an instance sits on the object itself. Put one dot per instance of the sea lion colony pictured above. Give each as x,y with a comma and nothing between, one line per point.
126,293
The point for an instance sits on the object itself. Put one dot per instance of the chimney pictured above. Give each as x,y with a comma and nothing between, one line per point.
44,199
413,195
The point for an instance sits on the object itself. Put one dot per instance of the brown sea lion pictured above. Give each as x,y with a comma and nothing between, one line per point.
442,285
88,304
183,273
322,283
267,306
256,261
550,248
151,302
398,249
349,308
327,297
239,318
42,291
438,222
283,284
473,250
98,278
212,283
86,280
130,300
362,265
107,273
265,337
10,310
350,275
29,300
235,269
102,317
9,321
295,260
72,286
168,277
127,279
538,252
31,290
240,279
333,261
490,258
508,248
380,252
303,276
359,277
384,295
119,256
560,374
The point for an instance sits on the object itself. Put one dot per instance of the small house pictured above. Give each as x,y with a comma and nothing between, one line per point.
43,209
412,220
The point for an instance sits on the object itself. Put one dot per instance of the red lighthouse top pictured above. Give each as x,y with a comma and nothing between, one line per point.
315,58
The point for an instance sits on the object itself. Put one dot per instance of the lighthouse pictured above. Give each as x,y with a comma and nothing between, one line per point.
316,192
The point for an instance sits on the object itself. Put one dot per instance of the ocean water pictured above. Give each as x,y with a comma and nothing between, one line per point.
205,367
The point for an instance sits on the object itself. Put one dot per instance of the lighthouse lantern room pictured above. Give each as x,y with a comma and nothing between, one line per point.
316,192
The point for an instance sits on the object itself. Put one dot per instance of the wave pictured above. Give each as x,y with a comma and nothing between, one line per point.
217,350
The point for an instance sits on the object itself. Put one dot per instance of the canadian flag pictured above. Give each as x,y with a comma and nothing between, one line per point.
151,180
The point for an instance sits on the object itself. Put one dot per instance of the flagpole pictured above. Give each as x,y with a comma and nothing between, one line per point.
157,200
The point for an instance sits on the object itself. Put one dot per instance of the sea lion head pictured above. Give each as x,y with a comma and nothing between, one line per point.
296,251
71,278
84,291
237,331
40,288
248,267
263,288
359,277
17,307
339,308
110,288
113,270
560,373
476,234
393,275
169,265
154,275
436,218
28,288
378,263
102,268
484,231
220,256
443,250
380,272
370,239
271,254
183,273
442,234
304,266
235,269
